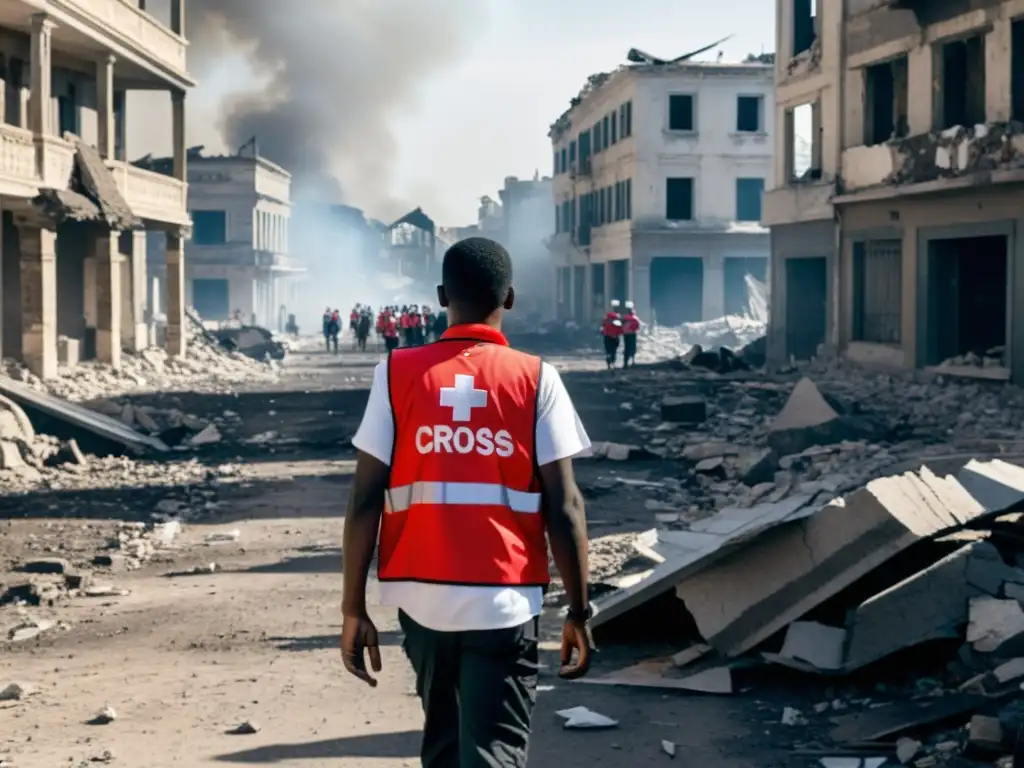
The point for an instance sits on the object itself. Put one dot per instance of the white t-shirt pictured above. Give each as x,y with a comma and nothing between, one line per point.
451,608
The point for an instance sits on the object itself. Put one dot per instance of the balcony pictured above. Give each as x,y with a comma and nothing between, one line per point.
17,162
939,160
150,195
798,203
123,21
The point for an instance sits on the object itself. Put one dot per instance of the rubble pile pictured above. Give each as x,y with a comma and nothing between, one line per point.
206,367
171,426
830,538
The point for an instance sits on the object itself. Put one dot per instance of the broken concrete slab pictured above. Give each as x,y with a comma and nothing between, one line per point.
662,673
807,420
747,596
69,420
930,605
876,724
817,645
995,485
687,552
993,623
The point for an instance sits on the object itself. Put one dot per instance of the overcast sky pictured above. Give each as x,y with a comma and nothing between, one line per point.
486,116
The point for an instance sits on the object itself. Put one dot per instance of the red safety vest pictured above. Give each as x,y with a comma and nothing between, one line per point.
381,320
390,328
463,504
631,324
608,327
353,316
405,319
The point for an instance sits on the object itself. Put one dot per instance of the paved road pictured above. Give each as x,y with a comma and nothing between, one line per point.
184,660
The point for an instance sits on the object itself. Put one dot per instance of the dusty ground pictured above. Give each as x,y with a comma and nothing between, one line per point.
184,659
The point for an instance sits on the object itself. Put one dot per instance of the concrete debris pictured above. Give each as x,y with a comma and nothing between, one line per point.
206,367
16,691
246,728
668,747
581,718
753,580
105,716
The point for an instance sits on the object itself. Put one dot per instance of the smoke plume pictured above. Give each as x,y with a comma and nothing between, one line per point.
340,72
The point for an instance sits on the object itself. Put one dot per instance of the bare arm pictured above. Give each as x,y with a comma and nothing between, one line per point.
567,530
362,520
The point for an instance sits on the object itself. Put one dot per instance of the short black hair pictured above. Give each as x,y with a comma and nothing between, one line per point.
477,273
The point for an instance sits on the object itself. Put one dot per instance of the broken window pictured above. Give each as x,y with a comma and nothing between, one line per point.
209,227
961,100
748,199
615,127
680,112
679,199
877,287
885,101
572,153
596,133
606,132
1017,70
803,147
626,120
805,25
749,116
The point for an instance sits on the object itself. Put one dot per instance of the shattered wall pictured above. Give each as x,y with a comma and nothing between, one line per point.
936,155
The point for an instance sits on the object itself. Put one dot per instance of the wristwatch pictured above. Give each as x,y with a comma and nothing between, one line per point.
585,616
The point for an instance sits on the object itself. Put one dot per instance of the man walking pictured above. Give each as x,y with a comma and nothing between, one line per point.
465,462
611,330
630,328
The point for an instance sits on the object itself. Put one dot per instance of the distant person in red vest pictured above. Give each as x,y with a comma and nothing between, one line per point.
611,330
462,480
630,328
390,330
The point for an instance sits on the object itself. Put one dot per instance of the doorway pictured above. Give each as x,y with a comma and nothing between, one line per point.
677,290
967,300
579,279
211,299
737,297
598,305
806,306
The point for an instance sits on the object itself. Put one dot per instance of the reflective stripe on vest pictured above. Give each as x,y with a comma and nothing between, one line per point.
488,494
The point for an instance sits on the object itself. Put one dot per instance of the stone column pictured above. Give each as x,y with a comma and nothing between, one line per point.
175,256
178,135
41,74
106,131
713,300
106,255
998,72
133,291
39,300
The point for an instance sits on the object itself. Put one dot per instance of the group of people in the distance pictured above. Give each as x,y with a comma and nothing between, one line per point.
625,326
408,325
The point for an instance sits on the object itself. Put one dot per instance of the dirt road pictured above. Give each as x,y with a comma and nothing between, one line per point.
251,635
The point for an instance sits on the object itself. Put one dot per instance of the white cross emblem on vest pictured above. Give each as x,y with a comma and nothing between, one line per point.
463,397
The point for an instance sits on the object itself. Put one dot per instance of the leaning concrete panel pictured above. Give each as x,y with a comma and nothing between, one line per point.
687,552
748,596
80,417
930,605
995,484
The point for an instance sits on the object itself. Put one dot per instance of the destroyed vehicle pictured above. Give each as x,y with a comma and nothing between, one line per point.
251,341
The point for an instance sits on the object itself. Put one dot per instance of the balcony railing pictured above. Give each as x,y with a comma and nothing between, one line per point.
151,195
18,157
122,19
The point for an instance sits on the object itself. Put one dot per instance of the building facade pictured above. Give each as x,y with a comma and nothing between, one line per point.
239,257
912,217
75,215
659,172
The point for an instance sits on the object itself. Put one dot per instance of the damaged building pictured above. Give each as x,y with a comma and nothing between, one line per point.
75,215
412,248
659,172
894,243
239,263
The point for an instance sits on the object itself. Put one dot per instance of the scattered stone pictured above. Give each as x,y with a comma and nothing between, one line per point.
247,728
16,691
54,565
105,716
907,749
210,435
668,748
223,537
29,629
791,716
